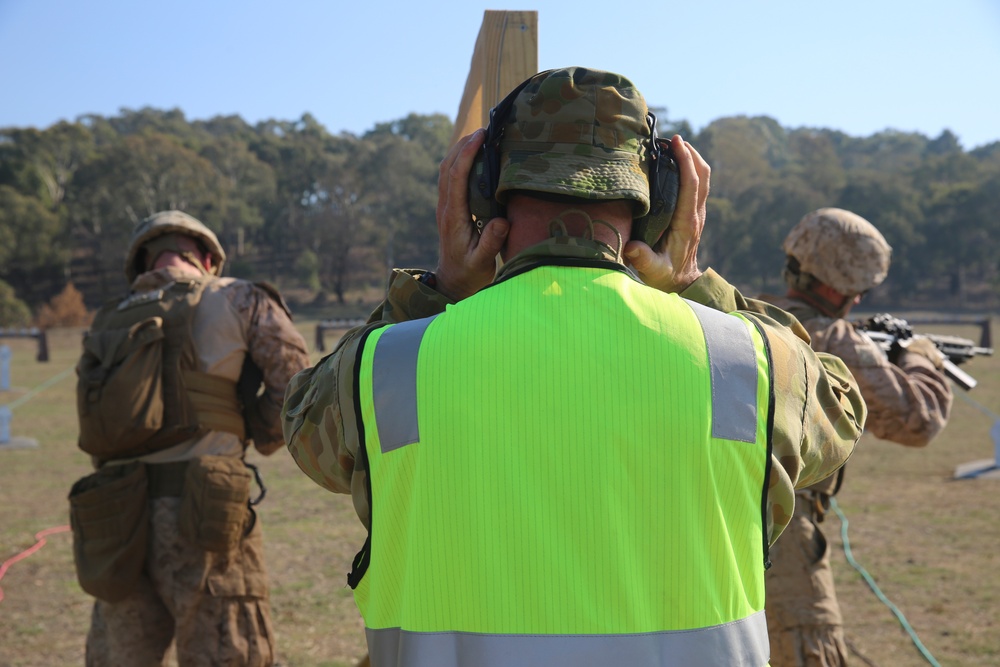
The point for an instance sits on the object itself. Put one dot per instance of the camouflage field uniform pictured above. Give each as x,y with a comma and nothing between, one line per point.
818,406
214,604
907,403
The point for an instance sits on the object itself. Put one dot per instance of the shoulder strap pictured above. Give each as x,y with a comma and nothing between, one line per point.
272,292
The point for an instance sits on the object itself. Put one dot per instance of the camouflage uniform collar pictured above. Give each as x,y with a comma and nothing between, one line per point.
801,309
559,247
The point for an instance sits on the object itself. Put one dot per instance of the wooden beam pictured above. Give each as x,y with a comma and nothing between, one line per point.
506,53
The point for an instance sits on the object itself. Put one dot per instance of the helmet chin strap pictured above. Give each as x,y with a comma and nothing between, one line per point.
802,283
825,306
189,258
557,227
192,259
169,243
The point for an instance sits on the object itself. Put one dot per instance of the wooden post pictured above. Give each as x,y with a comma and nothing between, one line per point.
506,53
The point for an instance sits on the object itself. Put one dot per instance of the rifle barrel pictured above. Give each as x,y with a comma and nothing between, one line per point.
958,376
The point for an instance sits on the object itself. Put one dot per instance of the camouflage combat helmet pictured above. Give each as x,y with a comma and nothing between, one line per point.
171,222
841,249
580,133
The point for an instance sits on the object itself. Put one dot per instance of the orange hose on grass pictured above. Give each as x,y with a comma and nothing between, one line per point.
39,543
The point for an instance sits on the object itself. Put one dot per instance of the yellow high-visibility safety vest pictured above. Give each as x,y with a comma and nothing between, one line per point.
568,468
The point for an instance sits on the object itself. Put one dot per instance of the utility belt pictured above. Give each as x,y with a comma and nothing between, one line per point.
815,503
110,517
816,498
215,403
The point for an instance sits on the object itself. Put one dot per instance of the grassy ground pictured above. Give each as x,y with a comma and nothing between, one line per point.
310,535
929,542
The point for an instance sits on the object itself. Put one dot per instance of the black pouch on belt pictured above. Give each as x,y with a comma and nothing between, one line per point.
214,505
109,515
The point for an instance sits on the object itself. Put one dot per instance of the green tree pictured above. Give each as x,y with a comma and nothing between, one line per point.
340,221
13,311
744,153
33,248
250,187
725,240
889,151
965,234
773,212
890,203
167,122
294,202
42,163
130,180
814,160
401,172
432,132
298,152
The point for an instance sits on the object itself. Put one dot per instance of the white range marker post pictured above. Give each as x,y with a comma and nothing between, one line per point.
6,414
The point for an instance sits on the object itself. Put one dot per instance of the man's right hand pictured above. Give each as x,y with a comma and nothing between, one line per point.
467,259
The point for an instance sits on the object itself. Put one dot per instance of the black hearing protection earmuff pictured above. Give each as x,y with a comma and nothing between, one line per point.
664,186
484,177
485,173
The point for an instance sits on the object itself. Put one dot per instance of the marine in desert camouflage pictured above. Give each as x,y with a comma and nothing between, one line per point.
834,257
199,578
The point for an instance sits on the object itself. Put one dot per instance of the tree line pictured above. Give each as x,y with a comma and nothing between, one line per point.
328,214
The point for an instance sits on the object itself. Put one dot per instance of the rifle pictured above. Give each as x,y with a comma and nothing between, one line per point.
891,332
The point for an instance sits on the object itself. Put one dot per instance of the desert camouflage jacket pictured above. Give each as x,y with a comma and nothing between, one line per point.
237,320
819,413
908,402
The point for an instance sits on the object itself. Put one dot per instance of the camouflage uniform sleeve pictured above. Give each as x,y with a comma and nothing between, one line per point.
908,403
278,351
319,420
818,414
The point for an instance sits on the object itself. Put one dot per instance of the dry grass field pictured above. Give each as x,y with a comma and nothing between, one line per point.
930,542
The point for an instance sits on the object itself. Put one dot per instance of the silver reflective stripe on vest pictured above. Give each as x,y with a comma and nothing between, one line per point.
731,355
733,360
741,643
394,383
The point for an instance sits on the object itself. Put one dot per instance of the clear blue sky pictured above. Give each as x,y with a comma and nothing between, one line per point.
856,65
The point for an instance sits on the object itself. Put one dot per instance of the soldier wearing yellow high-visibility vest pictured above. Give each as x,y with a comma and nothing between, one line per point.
580,459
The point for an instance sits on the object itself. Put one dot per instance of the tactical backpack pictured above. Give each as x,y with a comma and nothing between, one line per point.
138,390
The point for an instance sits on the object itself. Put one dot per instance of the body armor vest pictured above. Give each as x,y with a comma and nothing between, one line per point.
138,388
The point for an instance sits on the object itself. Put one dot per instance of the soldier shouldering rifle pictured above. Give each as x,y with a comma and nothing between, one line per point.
833,257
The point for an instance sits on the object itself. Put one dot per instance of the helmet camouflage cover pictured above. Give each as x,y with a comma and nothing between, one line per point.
171,222
841,249
580,133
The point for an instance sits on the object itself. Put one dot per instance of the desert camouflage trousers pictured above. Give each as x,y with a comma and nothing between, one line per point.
214,605
803,617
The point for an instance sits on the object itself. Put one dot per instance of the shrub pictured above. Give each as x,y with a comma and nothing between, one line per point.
65,309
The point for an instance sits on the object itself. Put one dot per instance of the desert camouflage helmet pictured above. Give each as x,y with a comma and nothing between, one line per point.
841,249
172,222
